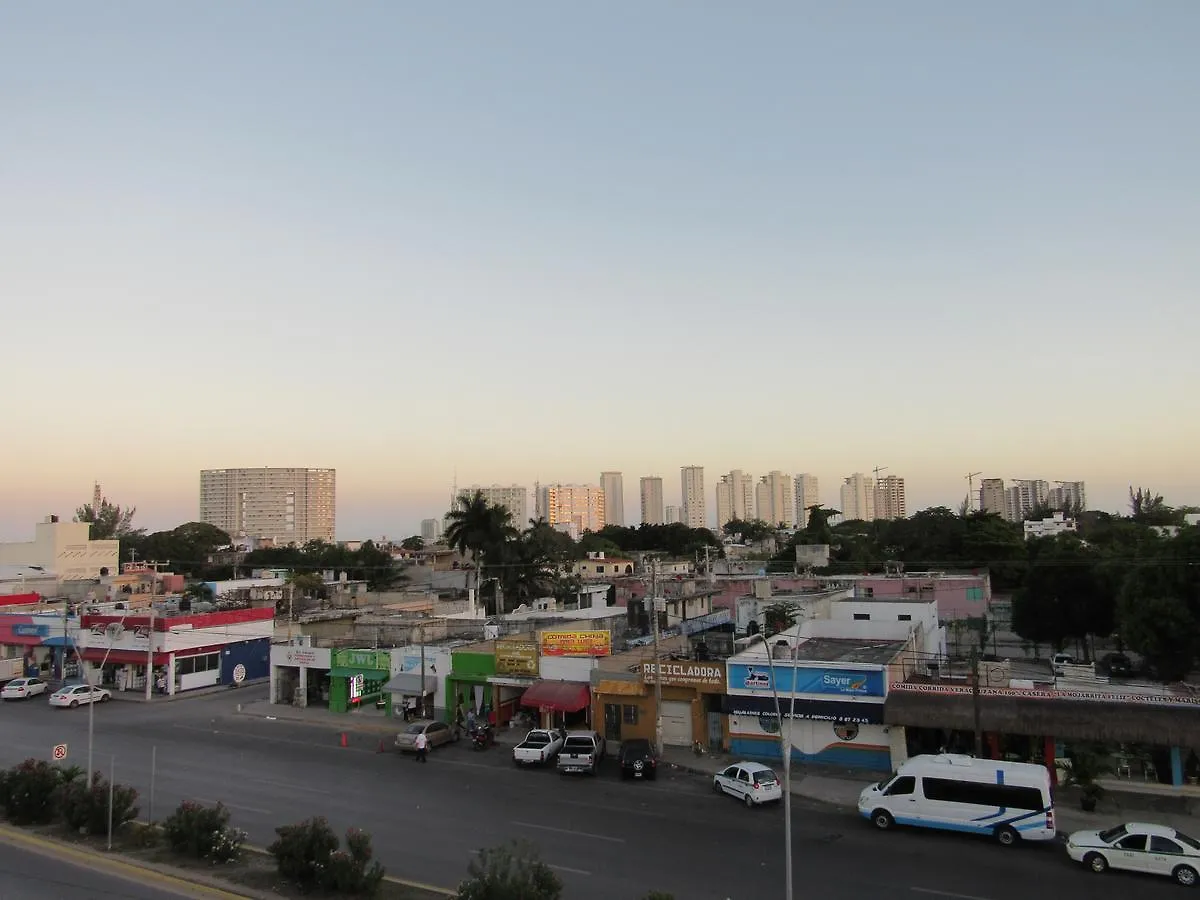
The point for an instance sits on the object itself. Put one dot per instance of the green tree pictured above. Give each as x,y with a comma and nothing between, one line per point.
817,531
513,871
1063,597
750,531
481,529
1161,628
109,521
779,617
187,548
415,542
1149,508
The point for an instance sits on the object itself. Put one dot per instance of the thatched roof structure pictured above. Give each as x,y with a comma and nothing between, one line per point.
1172,726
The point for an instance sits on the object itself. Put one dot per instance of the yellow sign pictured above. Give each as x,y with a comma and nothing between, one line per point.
516,658
576,643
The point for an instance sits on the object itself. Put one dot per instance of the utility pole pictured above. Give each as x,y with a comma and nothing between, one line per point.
975,703
421,636
150,647
658,726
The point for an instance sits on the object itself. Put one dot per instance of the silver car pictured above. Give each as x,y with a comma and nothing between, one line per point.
436,734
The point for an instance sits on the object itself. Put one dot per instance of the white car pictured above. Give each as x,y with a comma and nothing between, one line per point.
22,689
1139,847
74,694
752,783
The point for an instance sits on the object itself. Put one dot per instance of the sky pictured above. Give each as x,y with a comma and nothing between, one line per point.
534,241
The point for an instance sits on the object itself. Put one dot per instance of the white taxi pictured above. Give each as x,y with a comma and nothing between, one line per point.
1139,847
752,783
22,689
74,694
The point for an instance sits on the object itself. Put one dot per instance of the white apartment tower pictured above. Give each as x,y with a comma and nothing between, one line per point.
808,495
735,498
652,500
286,506
858,498
513,497
672,515
1068,497
431,530
889,498
693,512
991,496
613,485
1023,497
580,506
776,499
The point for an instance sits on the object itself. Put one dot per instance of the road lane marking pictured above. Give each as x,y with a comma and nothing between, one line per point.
921,890
582,834
569,869
226,803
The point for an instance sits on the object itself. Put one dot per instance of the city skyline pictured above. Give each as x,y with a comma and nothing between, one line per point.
254,229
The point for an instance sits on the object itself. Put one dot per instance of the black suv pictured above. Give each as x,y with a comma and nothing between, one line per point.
637,759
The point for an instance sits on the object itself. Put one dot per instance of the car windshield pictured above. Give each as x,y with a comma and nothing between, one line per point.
1113,834
415,729
1187,839
767,777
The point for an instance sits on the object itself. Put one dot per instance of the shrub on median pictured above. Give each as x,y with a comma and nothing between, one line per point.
308,855
203,832
86,808
513,871
29,792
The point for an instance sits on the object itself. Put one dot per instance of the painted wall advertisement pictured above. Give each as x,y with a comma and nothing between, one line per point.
686,674
806,680
374,660
576,643
517,657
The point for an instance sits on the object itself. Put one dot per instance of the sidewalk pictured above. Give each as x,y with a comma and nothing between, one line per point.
139,696
841,788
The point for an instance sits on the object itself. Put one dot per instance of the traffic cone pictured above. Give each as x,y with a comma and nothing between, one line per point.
344,739
380,750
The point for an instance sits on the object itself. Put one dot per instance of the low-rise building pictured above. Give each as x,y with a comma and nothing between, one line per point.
1050,526
64,548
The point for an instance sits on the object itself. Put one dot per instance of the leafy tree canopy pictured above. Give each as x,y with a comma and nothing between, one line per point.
110,521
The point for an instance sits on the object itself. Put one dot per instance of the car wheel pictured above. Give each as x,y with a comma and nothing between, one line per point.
104,698
882,819
1006,836
748,800
1184,875
74,703
1096,863
717,789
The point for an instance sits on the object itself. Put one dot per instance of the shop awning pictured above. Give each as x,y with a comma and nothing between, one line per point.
560,696
409,683
621,688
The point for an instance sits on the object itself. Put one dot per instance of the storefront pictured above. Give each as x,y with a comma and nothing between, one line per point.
469,686
692,702
357,679
832,711
300,675
562,694
43,642
517,670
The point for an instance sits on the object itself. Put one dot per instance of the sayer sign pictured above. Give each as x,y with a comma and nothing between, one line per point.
801,680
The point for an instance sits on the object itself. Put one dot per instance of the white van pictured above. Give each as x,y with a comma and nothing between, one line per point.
1007,800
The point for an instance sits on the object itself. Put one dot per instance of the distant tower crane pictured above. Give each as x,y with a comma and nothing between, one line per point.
971,490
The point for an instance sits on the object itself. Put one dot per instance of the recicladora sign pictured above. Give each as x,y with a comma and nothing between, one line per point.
685,674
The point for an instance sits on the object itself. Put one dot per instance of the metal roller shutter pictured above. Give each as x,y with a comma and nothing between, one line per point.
677,723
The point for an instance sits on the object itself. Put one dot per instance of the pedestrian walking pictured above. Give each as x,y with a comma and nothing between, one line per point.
422,745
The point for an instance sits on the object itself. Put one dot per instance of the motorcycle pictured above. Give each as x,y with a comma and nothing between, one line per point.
482,737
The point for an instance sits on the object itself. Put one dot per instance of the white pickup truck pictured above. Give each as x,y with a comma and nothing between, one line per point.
581,752
539,747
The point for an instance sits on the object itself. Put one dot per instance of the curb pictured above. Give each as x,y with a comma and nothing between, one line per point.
124,867
392,879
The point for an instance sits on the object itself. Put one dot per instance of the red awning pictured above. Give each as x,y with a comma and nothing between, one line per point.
560,696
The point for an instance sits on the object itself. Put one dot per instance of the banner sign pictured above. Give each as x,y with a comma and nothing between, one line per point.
517,657
576,643
714,619
1051,694
805,680
686,674
376,660
817,710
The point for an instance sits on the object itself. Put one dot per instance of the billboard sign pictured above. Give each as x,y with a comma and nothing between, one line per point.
806,680
576,643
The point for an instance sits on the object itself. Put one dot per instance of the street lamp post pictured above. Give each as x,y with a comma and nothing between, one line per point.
785,751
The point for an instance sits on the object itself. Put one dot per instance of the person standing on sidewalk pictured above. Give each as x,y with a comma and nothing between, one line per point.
422,745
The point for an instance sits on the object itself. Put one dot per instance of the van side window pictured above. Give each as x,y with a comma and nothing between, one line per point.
1000,796
906,784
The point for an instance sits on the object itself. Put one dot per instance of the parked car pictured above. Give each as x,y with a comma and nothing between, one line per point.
539,747
436,734
1138,847
752,783
72,695
1059,660
637,759
23,689
1119,665
581,752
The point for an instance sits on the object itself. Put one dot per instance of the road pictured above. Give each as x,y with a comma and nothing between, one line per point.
609,840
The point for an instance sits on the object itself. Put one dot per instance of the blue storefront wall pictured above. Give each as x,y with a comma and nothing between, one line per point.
802,679
254,656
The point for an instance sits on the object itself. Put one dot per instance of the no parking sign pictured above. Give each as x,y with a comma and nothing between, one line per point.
60,752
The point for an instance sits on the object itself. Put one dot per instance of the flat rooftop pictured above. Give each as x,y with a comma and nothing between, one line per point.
847,651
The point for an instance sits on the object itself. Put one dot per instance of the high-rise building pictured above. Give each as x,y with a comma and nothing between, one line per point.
735,498
652,500
1023,497
858,498
776,499
890,502
672,515
580,505
693,514
613,485
513,497
431,530
991,496
286,506
807,495
1069,497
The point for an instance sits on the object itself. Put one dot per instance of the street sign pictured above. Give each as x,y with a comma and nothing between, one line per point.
60,752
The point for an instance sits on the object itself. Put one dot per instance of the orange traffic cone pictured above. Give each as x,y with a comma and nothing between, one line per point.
343,739
380,750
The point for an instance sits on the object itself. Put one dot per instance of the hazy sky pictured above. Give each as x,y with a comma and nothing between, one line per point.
542,239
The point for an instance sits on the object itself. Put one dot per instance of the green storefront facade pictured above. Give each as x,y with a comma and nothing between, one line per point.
357,677
470,670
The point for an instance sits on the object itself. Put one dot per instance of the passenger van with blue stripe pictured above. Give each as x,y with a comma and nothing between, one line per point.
1007,800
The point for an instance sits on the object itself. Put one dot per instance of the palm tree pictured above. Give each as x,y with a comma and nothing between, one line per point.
479,528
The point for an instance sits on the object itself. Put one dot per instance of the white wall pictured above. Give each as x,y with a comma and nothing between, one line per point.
566,668
64,549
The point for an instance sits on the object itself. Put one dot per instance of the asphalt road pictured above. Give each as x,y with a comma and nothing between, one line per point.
608,839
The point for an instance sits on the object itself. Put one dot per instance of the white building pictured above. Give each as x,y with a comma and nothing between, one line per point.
890,502
65,550
1023,497
613,485
578,505
1055,524
653,512
286,506
431,531
694,512
1069,497
992,496
808,494
735,498
513,497
672,515
776,499
858,498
